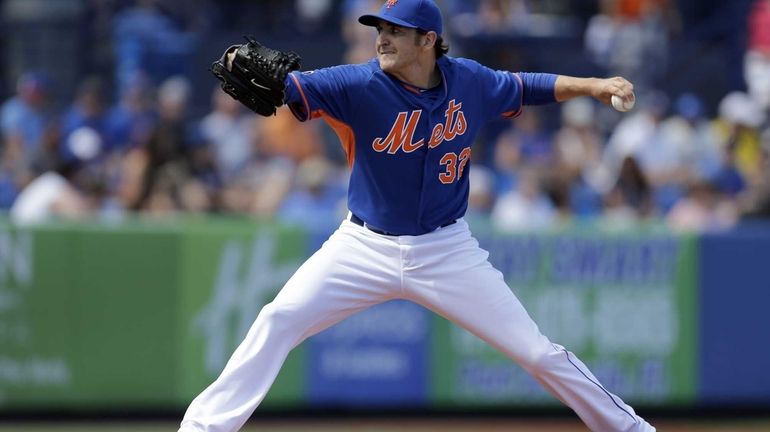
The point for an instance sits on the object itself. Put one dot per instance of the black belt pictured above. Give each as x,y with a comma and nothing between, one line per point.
358,221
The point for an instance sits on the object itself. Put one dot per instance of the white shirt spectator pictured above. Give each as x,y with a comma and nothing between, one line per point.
524,208
228,130
47,196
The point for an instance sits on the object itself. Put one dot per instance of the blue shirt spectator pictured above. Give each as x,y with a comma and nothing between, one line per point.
24,120
129,123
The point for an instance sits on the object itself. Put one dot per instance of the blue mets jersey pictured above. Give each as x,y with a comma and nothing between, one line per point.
409,149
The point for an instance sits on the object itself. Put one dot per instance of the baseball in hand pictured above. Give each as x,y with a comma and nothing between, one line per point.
623,105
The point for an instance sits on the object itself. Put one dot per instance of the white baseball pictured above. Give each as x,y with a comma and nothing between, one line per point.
623,105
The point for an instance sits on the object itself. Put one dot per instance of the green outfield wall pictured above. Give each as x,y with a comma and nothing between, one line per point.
143,315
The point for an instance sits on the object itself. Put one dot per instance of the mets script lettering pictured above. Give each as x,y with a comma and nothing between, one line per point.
401,135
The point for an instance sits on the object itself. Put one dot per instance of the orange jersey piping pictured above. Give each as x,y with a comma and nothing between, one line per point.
344,132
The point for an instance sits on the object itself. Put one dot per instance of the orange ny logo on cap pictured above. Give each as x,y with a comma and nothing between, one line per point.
390,3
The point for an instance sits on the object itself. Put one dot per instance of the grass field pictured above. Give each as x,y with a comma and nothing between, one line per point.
399,426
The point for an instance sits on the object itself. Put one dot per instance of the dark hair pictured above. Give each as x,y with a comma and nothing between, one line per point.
440,48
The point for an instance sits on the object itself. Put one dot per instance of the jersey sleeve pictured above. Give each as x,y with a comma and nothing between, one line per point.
503,91
331,91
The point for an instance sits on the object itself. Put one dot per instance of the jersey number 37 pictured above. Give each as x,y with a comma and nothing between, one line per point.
455,165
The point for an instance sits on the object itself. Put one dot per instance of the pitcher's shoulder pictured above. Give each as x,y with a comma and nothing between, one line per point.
461,64
348,74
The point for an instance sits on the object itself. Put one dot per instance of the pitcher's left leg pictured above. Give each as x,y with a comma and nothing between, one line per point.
454,279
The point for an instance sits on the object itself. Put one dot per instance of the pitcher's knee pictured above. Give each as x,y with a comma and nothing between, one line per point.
539,359
278,319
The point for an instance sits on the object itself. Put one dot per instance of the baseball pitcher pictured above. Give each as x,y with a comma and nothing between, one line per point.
407,120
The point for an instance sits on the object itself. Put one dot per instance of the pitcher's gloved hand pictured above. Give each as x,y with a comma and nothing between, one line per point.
256,75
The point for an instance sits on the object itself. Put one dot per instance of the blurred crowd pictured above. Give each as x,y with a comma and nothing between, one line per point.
143,151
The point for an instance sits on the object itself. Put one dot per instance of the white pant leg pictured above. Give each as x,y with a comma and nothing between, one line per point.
353,270
451,275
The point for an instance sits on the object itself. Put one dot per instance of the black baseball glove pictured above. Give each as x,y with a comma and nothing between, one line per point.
257,76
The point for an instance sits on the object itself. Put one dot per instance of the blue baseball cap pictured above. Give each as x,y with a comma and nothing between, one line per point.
417,14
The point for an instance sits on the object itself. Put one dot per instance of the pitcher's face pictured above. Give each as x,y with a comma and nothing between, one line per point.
397,47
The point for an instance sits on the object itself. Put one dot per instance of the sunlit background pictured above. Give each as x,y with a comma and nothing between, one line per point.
147,216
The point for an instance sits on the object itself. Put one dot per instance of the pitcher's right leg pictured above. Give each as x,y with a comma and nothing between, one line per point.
349,273
451,276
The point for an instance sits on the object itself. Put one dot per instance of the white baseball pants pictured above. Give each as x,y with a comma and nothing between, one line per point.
446,272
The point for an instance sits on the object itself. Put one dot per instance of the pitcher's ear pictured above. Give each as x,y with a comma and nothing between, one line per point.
430,38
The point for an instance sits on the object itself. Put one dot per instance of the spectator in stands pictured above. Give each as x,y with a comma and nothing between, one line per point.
670,154
632,189
29,132
523,143
473,17
282,135
757,56
481,194
506,162
558,190
534,141
524,208
637,136
226,130
196,197
578,151
126,185
511,17
703,209
359,39
264,179
312,15
61,192
171,158
494,15
8,189
236,162
738,134
691,134
631,38
173,192
317,199
130,121
148,41
617,215
87,111
757,202
88,108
